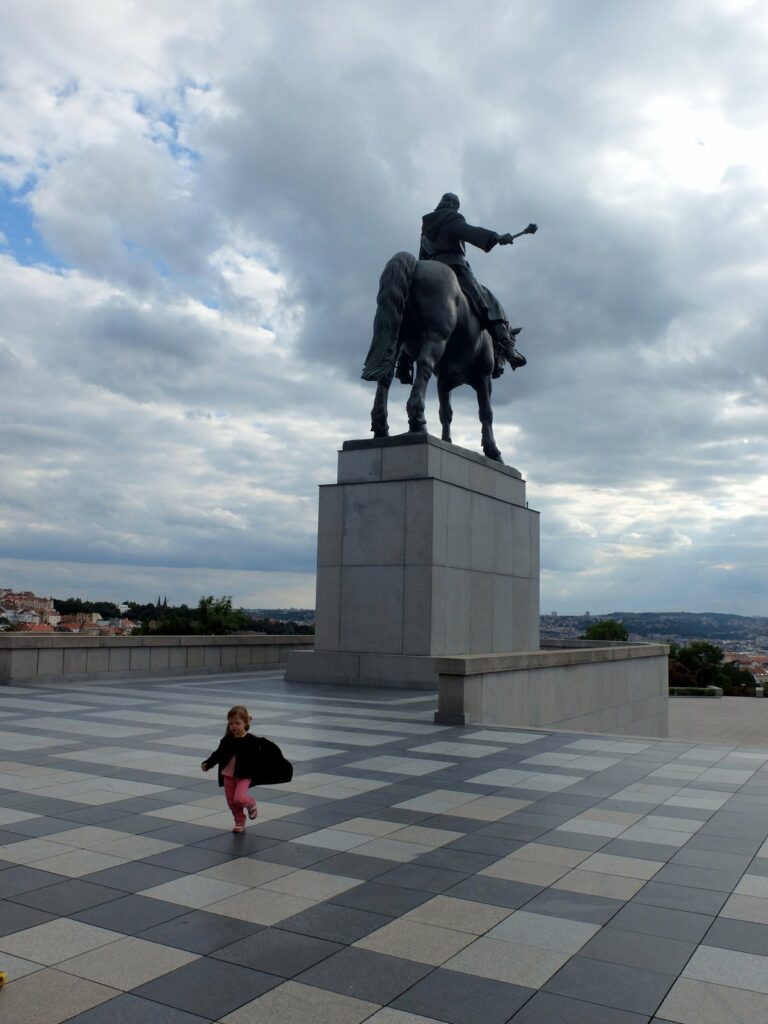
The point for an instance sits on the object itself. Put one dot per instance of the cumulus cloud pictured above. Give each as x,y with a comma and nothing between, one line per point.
211,193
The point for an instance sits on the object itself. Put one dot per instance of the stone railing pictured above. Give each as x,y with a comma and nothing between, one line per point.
64,657
580,685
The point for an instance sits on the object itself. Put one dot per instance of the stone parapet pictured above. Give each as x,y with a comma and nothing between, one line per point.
621,688
62,657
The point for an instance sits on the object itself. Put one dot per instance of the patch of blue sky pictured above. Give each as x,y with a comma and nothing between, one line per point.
140,252
70,86
20,234
172,124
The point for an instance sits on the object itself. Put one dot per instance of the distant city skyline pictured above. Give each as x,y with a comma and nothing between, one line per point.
196,203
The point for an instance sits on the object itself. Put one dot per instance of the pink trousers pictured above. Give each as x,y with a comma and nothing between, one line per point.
236,792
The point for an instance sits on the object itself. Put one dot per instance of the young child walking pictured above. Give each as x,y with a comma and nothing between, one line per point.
237,756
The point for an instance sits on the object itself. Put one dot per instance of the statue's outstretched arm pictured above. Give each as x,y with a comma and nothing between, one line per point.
509,239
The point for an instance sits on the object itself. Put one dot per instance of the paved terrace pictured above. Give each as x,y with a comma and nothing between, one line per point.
409,874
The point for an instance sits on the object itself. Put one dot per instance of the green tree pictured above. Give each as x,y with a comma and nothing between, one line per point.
705,663
213,615
172,622
702,659
74,605
606,629
216,615
737,681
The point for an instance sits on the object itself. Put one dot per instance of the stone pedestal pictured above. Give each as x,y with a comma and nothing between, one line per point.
424,550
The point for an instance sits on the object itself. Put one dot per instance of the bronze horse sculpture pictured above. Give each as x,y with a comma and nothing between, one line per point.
422,311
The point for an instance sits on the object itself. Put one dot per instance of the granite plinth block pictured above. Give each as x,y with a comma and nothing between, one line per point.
424,550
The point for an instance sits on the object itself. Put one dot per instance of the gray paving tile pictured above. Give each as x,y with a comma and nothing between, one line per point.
242,845
295,855
529,817
283,830
456,860
711,859
381,899
546,1007
134,876
37,827
496,891
363,974
278,952
90,815
574,906
493,846
17,878
421,878
130,914
575,840
453,822
336,923
625,988
15,918
208,987
199,932
187,859
68,897
744,936
699,878
642,851
651,952
671,924
462,999
742,825
352,865
130,1009
681,897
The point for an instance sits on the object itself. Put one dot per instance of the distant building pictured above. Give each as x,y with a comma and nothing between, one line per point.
22,608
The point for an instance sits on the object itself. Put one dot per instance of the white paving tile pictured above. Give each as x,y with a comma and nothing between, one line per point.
504,738
401,765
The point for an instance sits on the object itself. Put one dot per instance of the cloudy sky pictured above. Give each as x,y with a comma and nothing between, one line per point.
196,202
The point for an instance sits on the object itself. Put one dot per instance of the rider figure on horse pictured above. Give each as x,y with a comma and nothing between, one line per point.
444,233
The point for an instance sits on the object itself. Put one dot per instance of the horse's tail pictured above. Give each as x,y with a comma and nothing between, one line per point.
394,286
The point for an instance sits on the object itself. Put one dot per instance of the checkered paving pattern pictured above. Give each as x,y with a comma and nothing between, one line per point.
410,873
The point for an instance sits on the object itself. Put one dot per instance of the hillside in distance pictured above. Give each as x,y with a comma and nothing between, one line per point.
702,625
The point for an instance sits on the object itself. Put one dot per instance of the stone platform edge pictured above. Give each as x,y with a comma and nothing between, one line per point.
62,658
620,688
409,439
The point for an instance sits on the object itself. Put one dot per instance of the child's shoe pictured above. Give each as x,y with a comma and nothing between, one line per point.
238,828
252,812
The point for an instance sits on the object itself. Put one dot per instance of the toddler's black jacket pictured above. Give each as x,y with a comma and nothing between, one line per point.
256,758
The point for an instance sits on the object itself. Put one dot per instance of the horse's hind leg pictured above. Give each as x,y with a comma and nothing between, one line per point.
444,387
431,349
482,386
379,420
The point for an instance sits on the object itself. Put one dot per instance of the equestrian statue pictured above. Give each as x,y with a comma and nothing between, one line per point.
433,315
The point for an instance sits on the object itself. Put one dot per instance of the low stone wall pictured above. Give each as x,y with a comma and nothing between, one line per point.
604,688
63,657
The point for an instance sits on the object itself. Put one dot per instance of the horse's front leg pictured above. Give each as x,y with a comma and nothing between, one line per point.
444,388
482,388
379,420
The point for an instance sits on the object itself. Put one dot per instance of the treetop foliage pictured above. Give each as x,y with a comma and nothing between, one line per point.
213,616
73,605
701,663
606,629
